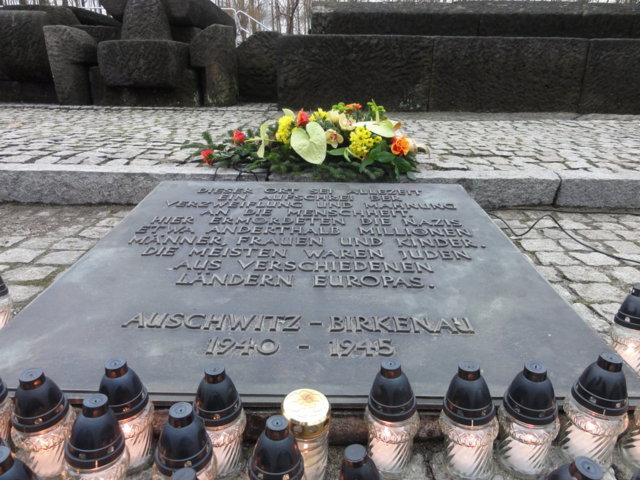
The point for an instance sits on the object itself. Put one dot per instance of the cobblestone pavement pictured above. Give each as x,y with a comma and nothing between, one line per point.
38,242
149,136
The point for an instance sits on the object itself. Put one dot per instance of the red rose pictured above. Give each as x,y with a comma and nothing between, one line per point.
303,118
207,156
238,137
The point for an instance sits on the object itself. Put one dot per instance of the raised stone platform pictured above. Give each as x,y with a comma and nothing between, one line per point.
77,155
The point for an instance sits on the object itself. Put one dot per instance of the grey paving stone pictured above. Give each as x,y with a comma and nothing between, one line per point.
27,274
578,273
542,245
10,241
593,319
598,234
549,273
555,258
37,242
598,292
72,243
625,246
627,275
65,257
19,255
95,232
595,259
23,293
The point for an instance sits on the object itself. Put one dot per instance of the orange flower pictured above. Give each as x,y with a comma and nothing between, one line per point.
352,107
207,156
400,145
238,137
302,119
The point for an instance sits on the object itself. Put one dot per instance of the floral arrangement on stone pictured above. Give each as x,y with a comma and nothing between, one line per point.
346,143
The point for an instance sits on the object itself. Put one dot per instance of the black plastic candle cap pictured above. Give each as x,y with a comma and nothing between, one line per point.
2,443
96,438
3,391
391,398
186,473
602,387
217,400
356,465
468,400
183,442
4,290
530,397
582,468
636,476
276,455
39,403
629,313
126,393
13,469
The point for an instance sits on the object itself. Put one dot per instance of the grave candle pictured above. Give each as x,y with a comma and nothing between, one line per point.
630,443
581,468
596,410
41,423
469,425
356,465
6,304
309,413
392,420
528,421
129,401
625,332
276,455
5,412
219,406
12,468
96,449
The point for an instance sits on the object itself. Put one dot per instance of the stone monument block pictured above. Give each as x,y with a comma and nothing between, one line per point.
301,284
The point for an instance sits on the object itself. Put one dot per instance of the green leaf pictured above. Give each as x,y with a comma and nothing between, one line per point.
383,128
411,175
289,113
310,143
264,138
338,152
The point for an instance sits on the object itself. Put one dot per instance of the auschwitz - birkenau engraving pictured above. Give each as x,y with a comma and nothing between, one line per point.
294,285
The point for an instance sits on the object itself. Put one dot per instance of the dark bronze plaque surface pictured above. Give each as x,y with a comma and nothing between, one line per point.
300,284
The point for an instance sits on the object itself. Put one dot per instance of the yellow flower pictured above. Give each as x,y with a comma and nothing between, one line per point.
362,141
333,116
285,125
318,115
334,138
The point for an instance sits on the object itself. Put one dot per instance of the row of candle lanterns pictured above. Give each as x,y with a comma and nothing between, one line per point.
111,435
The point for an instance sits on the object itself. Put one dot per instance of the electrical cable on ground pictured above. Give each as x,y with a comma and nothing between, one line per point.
563,230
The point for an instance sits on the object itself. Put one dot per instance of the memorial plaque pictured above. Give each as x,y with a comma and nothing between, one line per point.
300,285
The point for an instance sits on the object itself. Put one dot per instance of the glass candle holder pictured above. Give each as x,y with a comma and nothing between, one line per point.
276,455
6,304
356,465
468,422
41,422
219,406
596,412
5,412
625,331
629,444
528,422
129,401
183,443
309,413
12,468
392,420
96,449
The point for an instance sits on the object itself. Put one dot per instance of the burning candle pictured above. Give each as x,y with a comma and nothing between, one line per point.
309,413
596,410
41,421
392,420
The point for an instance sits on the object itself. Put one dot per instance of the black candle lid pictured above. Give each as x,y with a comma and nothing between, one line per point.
13,469
468,400
276,455
530,397
217,400
391,398
96,438
126,393
356,465
602,387
629,313
582,468
39,403
4,290
183,441
3,391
